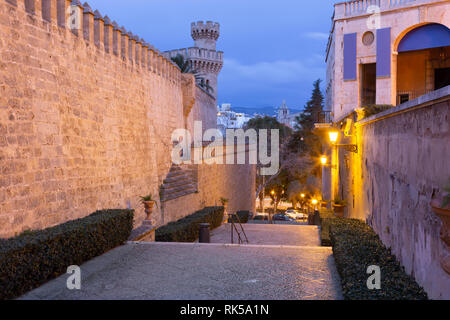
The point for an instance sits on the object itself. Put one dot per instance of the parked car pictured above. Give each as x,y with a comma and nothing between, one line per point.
294,214
260,217
281,217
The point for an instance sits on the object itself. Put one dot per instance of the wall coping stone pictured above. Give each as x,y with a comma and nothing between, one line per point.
421,102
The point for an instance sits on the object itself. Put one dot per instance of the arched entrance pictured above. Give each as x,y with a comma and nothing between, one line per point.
423,62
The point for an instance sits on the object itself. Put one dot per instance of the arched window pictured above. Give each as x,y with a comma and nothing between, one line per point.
423,62
429,36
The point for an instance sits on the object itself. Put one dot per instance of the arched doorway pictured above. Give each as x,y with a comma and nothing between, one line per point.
423,62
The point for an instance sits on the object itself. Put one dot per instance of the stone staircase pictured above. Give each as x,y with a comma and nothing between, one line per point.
180,182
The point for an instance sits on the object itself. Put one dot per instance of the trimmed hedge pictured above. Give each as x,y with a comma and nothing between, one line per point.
187,228
356,247
325,232
243,217
35,257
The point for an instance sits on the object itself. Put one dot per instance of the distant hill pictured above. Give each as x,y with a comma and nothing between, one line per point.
269,111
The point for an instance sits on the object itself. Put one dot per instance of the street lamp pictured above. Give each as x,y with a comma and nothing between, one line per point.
323,160
302,195
333,136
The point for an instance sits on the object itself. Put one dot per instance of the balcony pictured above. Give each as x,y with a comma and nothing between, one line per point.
324,120
360,7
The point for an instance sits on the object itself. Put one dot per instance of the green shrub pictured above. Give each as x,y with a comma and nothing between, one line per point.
356,247
33,258
243,217
373,109
325,233
187,229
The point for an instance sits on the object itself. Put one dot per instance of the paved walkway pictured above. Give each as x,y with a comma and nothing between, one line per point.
271,234
285,266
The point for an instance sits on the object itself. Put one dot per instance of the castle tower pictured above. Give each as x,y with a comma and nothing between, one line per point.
205,35
283,113
203,57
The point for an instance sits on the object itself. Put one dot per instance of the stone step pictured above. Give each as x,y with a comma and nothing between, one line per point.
174,174
178,178
177,183
175,168
189,187
177,195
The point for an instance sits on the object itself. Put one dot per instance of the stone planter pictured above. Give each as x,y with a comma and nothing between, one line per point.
148,205
444,214
339,210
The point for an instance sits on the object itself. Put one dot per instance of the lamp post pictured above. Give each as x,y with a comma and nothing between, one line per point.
274,205
334,135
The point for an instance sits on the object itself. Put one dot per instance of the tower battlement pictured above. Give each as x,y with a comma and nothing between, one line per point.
208,30
205,35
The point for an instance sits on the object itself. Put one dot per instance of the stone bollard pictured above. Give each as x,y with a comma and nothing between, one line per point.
316,218
204,236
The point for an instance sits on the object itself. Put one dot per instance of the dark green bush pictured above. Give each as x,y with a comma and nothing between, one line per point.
325,232
356,247
243,217
187,229
373,109
35,257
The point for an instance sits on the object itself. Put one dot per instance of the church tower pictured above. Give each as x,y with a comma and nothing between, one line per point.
204,57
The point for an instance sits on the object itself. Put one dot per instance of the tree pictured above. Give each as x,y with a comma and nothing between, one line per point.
186,67
304,140
285,132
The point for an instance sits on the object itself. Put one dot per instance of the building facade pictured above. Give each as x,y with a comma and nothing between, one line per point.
228,119
388,167
371,49
285,116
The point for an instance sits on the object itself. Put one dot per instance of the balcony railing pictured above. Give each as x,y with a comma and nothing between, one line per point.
360,7
405,96
325,117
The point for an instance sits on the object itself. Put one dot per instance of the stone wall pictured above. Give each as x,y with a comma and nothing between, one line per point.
85,118
401,163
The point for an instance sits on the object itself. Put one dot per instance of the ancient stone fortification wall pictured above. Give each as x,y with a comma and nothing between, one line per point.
402,162
85,117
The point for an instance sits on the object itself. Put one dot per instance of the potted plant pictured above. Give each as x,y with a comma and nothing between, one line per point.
148,203
224,202
324,203
339,206
441,207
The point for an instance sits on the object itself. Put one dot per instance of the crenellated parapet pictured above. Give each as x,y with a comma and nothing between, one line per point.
99,31
208,30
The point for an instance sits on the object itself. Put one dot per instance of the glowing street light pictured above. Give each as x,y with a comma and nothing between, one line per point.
302,195
333,136
272,192
323,160
314,201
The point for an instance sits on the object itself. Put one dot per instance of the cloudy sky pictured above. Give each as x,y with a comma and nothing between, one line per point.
274,49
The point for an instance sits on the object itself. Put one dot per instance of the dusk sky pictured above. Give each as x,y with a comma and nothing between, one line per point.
273,50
